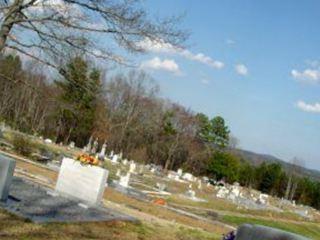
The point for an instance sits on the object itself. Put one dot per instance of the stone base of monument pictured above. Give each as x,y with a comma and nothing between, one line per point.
34,202
254,232
130,191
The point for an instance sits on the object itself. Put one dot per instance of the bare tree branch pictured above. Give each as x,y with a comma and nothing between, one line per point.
81,25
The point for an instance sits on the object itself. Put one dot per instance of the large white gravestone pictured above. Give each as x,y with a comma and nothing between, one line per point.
84,182
7,166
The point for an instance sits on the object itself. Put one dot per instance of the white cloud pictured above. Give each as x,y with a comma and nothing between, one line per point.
200,57
230,41
205,81
313,108
160,46
308,75
156,63
241,69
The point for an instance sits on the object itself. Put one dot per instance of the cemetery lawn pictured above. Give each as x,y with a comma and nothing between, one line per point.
12,227
156,222
308,229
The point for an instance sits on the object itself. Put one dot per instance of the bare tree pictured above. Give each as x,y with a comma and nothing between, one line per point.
294,170
233,142
45,29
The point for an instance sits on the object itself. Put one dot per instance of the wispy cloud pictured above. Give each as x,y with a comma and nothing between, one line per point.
241,69
205,81
160,46
307,76
168,65
313,108
230,41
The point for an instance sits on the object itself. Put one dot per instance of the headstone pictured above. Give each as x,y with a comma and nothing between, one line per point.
263,198
111,154
161,187
180,172
124,180
199,184
132,167
205,179
254,232
88,148
7,166
71,145
95,146
114,159
48,141
102,153
222,192
125,162
84,149
188,177
83,182
141,169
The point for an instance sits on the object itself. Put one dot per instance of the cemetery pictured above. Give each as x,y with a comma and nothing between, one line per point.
159,120
75,188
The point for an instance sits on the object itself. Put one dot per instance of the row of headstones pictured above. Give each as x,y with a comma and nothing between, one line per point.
234,193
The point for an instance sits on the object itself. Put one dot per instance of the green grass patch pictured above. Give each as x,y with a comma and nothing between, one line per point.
194,234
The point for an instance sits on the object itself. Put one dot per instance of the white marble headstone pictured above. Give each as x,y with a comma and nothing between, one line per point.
124,180
114,159
132,167
83,182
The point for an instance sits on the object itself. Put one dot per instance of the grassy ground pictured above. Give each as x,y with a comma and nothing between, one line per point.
12,227
157,222
311,230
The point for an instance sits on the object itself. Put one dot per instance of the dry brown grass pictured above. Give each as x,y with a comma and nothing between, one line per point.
163,213
12,228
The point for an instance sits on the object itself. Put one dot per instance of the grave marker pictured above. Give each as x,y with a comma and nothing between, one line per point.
83,182
7,166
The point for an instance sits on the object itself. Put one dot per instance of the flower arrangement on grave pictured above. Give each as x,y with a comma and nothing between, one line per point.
86,159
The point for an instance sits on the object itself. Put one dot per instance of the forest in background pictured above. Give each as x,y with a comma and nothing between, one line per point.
125,110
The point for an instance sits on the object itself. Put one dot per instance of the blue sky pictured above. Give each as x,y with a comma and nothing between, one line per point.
253,62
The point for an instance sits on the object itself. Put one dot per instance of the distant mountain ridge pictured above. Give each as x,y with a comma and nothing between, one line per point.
256,159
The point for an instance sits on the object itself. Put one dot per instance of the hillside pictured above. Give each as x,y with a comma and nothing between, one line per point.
257,159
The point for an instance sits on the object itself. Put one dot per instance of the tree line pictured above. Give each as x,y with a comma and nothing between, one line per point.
125,110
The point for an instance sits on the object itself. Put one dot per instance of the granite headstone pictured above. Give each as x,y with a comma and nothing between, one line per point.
7,166
254,232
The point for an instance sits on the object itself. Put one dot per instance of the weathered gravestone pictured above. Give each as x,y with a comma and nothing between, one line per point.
84,182
7,166
254,232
